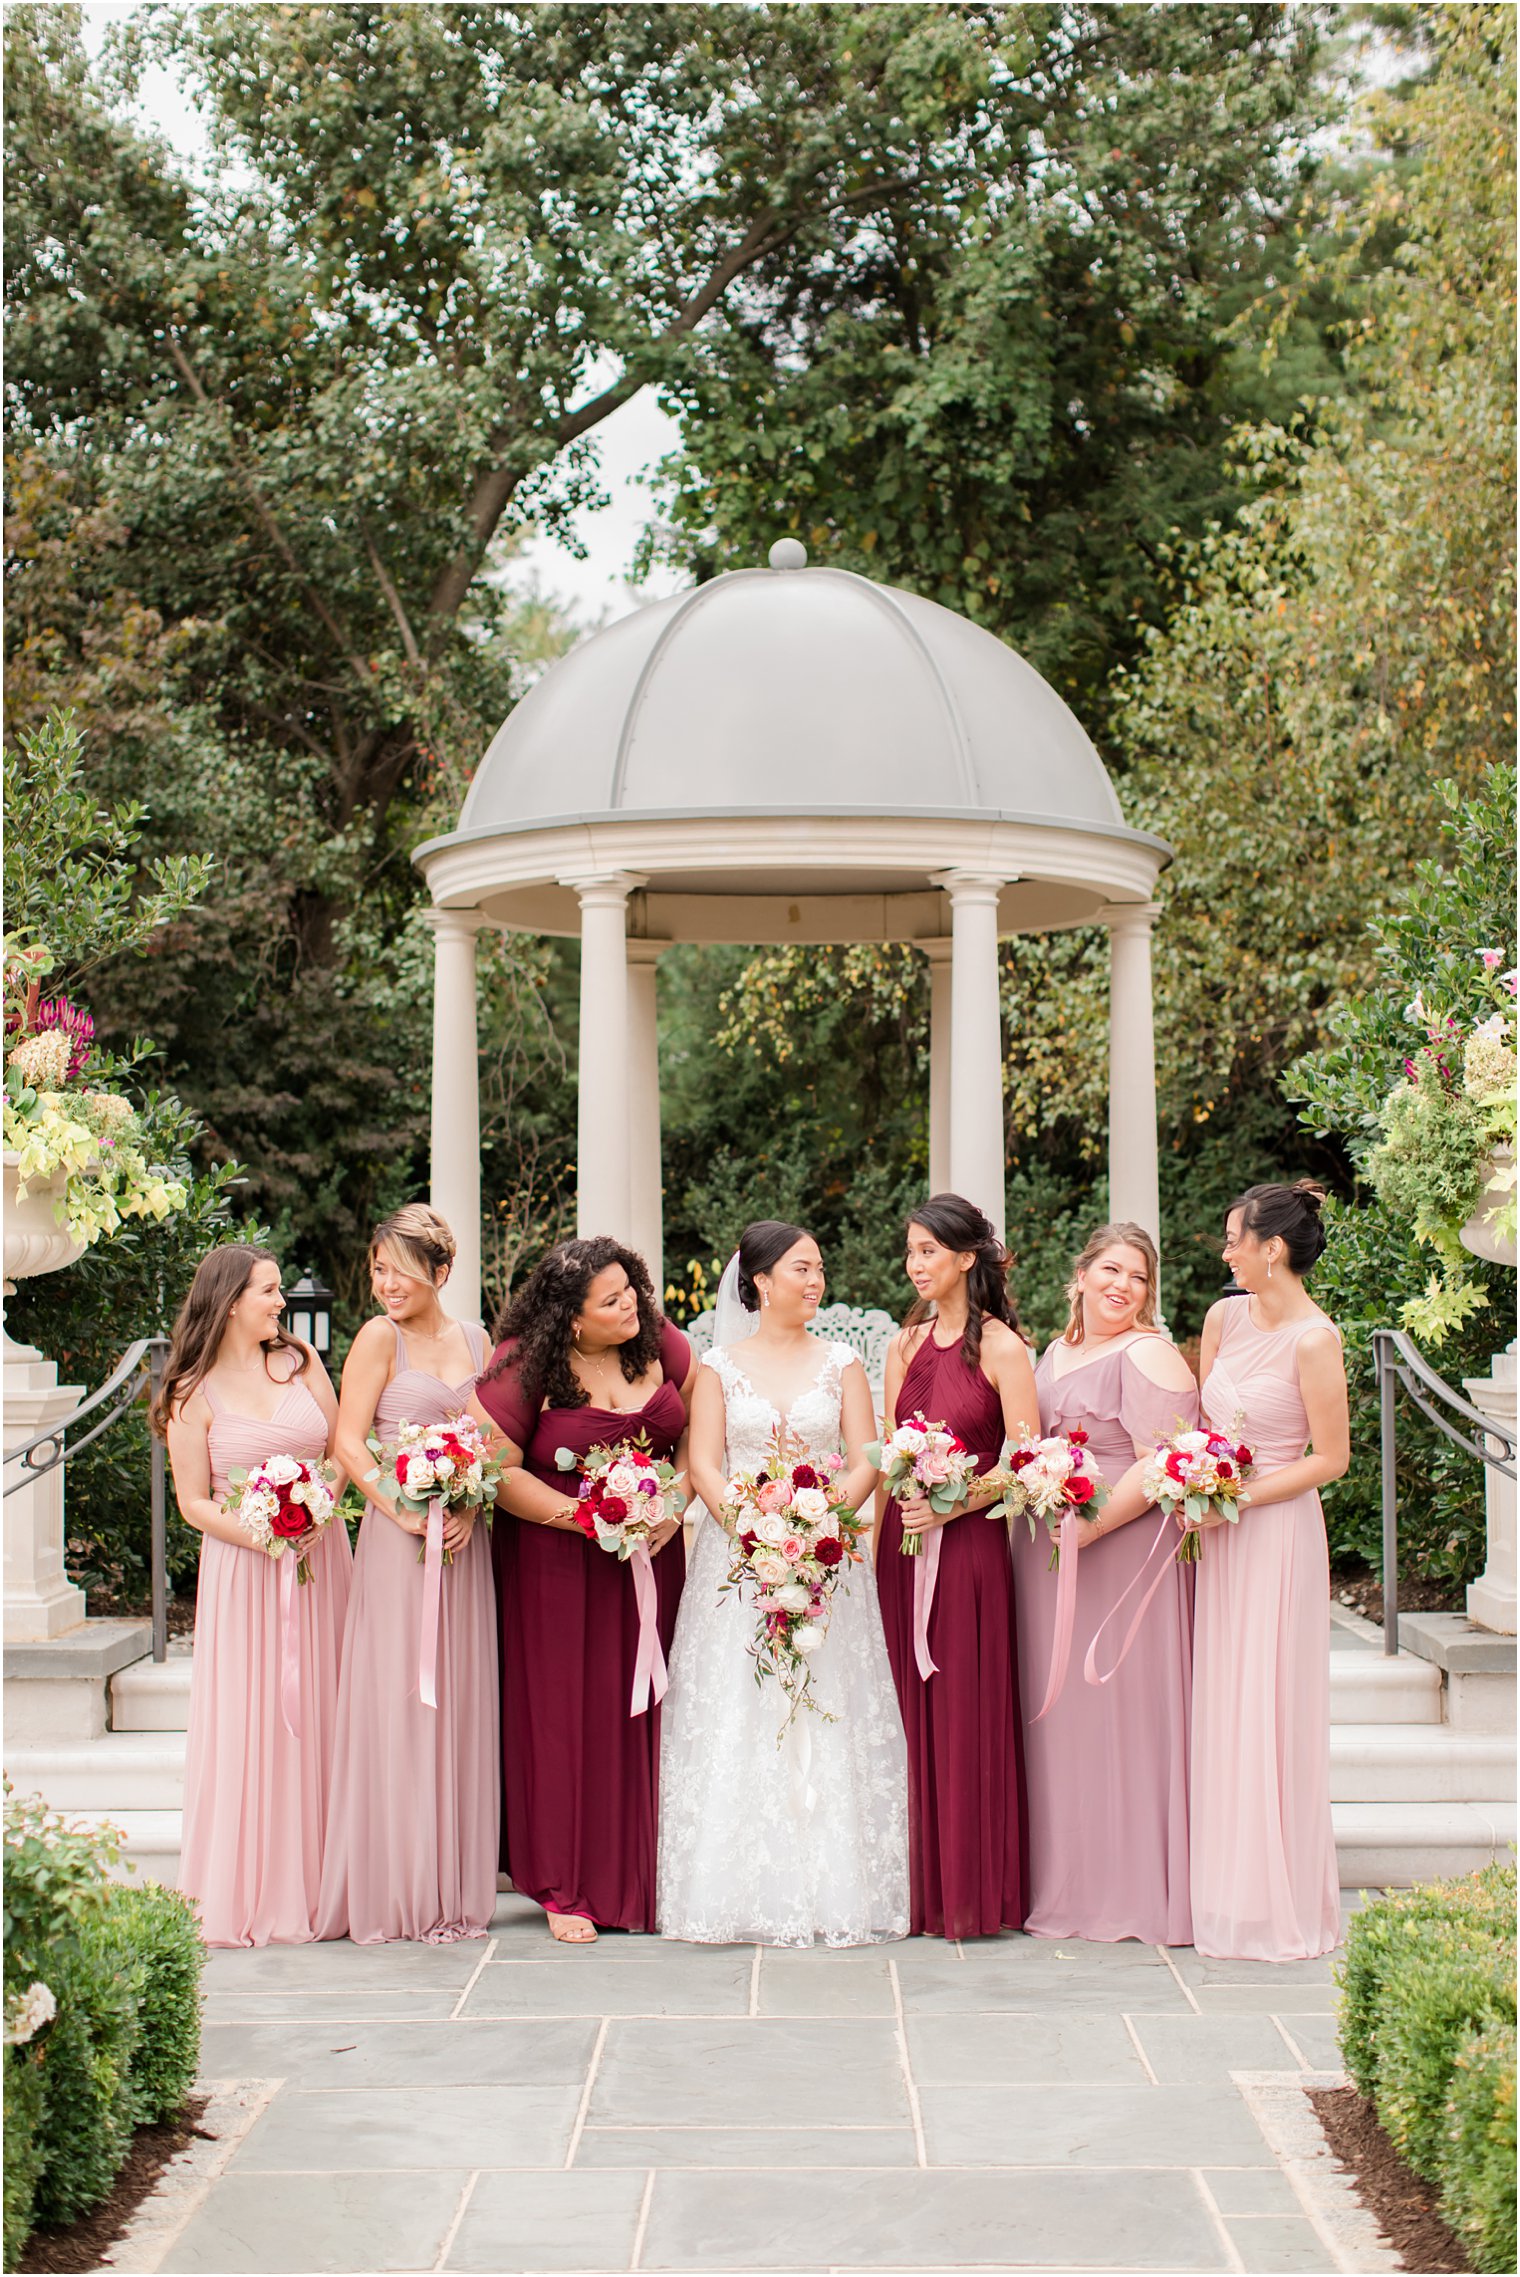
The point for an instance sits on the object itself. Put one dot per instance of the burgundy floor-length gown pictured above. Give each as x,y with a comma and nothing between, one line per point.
580,1774
257,1798
411,1846
1108,1766
968,1830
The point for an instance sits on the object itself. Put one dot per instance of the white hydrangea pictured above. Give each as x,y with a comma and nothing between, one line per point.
27,2012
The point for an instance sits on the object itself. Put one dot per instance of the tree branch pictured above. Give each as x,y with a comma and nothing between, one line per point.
393,599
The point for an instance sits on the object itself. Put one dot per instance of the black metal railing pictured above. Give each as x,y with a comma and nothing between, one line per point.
1400,1367
136,1376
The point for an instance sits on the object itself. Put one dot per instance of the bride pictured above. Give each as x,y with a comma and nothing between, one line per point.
767,1839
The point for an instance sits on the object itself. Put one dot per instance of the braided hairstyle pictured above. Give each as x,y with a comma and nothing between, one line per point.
536,1320
959,1225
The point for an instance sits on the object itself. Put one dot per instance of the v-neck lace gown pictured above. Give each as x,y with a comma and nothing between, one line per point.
964,1725
1108,1767
257,1801
580,1774
1265,1878
807,1841
411,1847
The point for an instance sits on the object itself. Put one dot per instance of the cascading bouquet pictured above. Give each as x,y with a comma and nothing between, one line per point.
1053,1479
625,1493
431,1467
1194,1475
926,1459
278,1501
794,1538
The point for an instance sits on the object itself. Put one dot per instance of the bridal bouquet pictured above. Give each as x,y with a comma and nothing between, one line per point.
436,1466
278,1501
793,1539
1053,1479
924,1459
1194,1475
624,1494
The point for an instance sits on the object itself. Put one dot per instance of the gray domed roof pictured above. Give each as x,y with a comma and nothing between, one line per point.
791,691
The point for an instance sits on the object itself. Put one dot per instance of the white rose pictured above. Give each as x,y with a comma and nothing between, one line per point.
443,1466
769,1525
419,1475
810,1502
623,1479
282,1470
909,1440
769,1567
793,1598
809,1637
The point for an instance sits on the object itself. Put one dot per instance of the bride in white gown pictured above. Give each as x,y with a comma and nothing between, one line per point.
807,1840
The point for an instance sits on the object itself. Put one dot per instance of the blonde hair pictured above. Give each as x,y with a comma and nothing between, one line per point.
419,1241
1124,1235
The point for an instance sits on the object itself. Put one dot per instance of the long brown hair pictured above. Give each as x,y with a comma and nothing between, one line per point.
220,1279
959,1225
1123,1235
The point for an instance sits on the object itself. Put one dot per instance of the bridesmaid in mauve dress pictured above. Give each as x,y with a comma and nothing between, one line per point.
584,1360
237,1390
963,1365
411,1847
1265,1879
1108,1766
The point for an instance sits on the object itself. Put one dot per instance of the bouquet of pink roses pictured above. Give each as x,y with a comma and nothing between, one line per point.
431,1467
625,1493
281,1500
1195,1474
1053,1479
793,1540
924,1459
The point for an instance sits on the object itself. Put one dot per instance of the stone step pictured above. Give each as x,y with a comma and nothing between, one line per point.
151,1844
1426,1763
1368,1688
152,1695
124,1771
1389,1844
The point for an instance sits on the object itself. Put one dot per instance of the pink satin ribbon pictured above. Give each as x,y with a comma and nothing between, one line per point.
432,1600
650,1678
1066,1613
290,1644
1090,1664
925,1575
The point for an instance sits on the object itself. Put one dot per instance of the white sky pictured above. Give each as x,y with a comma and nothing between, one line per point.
628,445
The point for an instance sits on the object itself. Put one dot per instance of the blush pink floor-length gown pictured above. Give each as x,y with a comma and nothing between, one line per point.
412,1834
257,1800
1265,1884
1108,1766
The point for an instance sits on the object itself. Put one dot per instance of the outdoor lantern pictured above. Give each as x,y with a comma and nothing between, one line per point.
309,1306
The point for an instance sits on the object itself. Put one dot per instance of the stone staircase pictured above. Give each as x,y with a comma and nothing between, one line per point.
1422,1764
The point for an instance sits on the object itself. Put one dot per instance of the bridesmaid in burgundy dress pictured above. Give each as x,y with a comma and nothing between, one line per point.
237,1390
1108,1766
583,1360
960,1361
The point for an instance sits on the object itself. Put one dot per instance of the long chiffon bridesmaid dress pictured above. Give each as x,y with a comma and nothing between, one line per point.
581,1774
1108,1766
968,1829
1265,1879
257,1799
411,1847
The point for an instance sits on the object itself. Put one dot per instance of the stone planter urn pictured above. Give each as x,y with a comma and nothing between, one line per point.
1478,1235
1491,1599
40,1602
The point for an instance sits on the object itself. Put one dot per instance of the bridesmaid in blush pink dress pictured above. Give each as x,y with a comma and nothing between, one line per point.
411,1847
963,1364
1108,1765
237,1390
1265,1882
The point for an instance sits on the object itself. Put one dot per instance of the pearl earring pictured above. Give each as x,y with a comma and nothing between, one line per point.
1269,1268
765,1296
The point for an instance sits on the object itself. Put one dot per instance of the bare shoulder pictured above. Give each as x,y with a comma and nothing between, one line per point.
1321,1343
377,1335
1000,1342
1161,1363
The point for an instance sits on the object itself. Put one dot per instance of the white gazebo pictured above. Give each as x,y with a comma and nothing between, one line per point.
786,755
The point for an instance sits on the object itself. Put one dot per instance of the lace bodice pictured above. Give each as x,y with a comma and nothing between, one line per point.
812,1421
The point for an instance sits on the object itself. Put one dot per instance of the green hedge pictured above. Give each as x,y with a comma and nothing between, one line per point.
102,1997
1427,2030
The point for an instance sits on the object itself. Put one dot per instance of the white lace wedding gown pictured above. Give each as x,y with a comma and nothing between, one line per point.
807,1841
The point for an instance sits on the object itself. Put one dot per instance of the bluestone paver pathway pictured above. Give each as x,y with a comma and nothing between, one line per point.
513,2105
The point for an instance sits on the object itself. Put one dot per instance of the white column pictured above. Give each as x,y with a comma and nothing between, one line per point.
976,1167
602,1123
455,1177
940,954
1133,1180
646,1204
1491,1598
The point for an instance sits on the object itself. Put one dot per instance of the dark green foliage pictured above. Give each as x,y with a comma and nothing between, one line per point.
24,2093
1479,2195
1442,1996
90,2047
1386,1936
154,1932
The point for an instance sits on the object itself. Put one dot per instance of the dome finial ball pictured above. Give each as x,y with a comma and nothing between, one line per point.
788,553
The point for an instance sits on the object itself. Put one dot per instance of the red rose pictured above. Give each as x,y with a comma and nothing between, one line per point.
1224,1470
1243,1457
1079,1489
614,1508
1176,1464
586,1520
1078,1438
291,1519
747,1543
828,1550
805,1475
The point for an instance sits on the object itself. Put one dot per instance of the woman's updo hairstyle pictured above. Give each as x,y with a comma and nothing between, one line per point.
761,1249
959,1225
1289,1214
418,1241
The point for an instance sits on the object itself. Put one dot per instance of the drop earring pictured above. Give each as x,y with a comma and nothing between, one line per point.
765,1297
1269,1268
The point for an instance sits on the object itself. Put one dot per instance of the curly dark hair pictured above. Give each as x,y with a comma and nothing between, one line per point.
536,1321
959,1225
